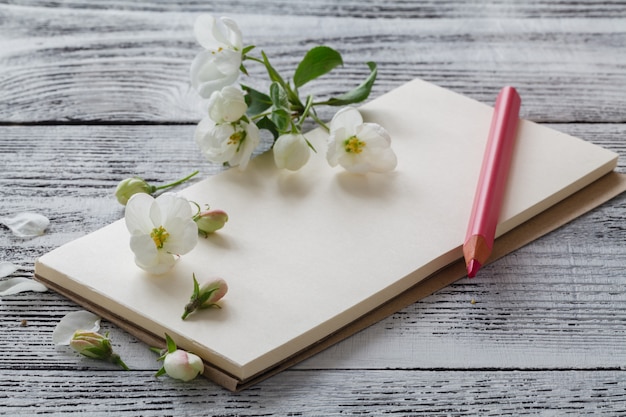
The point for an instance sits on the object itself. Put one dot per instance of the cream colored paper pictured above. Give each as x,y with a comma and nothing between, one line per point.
307,253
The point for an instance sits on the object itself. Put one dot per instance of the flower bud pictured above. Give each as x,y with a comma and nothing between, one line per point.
210,221
96,346
227,105
205,296
183,365
212,292
291,151
130,186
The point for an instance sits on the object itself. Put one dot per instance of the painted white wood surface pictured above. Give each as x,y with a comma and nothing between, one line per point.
93,92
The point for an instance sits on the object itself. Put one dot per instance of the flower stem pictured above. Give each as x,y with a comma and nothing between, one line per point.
115,359
252,58
260,115
320,122
175,183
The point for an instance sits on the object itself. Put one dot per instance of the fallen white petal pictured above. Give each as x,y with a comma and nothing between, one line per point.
7,268
76,320
17,285
26,224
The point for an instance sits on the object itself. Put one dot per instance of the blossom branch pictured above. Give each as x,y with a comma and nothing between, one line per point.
280,111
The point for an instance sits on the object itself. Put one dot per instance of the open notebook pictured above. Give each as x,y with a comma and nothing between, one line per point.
308,253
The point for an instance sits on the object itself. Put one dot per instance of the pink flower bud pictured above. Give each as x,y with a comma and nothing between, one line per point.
217,289
205,296
96,346
210,221
183,365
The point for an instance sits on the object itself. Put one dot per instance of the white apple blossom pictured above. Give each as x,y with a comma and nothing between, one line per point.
231,143
161,230
227,105
217,66
357,146
291,151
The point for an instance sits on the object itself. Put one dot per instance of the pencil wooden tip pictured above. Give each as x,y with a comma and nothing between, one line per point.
472,268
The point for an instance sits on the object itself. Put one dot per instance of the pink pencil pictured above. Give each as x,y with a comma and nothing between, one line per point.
492,181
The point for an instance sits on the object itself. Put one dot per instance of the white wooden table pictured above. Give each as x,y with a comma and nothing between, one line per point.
94,92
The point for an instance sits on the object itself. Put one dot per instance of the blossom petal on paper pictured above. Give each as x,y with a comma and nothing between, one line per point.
7,268
348,118
135,214
185,239
26,224
148,257
172,207
71,322
17,285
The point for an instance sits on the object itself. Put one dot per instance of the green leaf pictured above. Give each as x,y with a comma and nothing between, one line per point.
160,372
271,71
267,124
205,296
281,119
318,61
278,95
207,306
247,49
257,101
171,345
196,287
358,94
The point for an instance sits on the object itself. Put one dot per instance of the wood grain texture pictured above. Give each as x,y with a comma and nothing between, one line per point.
82,64
330,393
371,9
93,92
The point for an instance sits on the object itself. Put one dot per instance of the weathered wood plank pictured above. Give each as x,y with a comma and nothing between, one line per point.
369,9
327,393
78,64
545,334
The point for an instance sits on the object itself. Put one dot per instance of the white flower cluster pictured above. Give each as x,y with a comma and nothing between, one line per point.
229,134
226,135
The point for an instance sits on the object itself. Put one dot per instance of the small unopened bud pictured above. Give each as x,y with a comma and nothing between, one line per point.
131,186
135,185
177,363
183,365
210,221
96,346
291,151
205,296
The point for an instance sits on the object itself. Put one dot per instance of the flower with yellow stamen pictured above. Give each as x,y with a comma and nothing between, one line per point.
160,229
358,146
